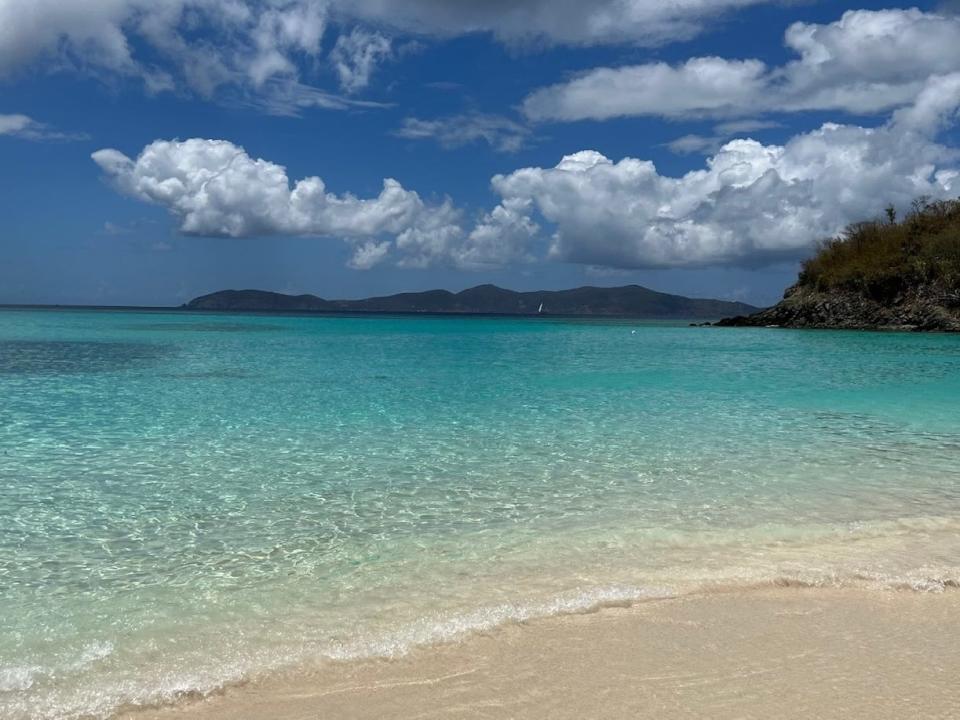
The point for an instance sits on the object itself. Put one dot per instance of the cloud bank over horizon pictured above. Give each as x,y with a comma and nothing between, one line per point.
751,204
549,138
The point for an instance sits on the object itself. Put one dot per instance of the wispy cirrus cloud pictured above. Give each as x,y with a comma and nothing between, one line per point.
709,144
291,99
26,128
499,132
557,22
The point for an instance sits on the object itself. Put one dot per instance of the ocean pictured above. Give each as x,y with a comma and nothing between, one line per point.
189,501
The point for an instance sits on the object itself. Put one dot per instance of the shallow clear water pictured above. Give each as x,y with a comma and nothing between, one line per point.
190,500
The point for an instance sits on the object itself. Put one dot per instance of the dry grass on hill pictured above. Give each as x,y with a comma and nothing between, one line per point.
882,258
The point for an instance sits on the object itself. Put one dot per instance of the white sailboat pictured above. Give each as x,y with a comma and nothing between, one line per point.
540,309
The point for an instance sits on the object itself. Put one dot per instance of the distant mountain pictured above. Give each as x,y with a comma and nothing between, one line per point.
628,301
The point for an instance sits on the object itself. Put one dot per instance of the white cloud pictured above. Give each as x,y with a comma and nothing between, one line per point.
289,98
699,87
356,55
573,22
368,254
15,124
935,108
215,188
736,127
500,133
753,203
252,47
31,27
693,143
500,237
866,62
433,242
26,128
709,144
207,45
503,235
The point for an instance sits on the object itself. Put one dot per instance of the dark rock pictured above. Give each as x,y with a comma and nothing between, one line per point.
921,308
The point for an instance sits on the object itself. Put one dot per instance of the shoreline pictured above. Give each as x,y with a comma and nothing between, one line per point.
764,652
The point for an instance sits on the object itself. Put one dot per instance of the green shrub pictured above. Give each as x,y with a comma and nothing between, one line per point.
881,259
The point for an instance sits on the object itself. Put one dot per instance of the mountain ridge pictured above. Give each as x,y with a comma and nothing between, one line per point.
586,301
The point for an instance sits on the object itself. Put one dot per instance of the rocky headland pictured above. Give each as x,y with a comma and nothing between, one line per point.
879,275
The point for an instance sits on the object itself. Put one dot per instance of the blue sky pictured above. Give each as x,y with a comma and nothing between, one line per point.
151,151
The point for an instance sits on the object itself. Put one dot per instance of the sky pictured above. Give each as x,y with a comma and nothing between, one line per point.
155,150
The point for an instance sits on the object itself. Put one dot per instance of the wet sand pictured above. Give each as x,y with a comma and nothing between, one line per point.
769,653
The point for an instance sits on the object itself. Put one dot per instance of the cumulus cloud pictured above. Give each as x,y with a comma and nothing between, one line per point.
503,235
215,188
699,87
26,128
500,133
752,203
866,62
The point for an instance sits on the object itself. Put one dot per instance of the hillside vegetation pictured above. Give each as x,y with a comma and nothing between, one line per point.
881,274
883,258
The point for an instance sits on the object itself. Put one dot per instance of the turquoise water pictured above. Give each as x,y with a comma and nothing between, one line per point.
188,501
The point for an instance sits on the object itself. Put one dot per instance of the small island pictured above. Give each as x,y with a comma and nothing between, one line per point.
884,274
630,301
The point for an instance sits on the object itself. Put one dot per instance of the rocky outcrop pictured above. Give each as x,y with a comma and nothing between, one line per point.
921,308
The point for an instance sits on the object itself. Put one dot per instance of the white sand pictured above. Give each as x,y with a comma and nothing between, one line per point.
778,653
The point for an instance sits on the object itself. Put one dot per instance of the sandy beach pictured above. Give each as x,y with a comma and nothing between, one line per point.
769,653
